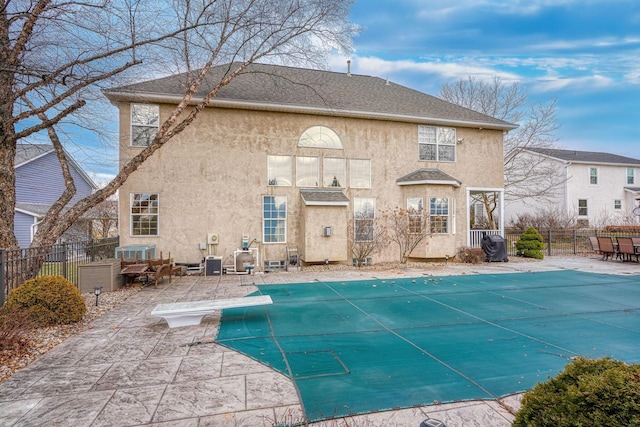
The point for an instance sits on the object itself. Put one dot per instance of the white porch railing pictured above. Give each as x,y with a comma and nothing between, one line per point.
476,235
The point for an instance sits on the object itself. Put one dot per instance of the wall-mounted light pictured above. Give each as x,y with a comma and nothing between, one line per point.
460,140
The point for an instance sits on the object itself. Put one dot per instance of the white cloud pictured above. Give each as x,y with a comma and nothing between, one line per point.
556,84
447,70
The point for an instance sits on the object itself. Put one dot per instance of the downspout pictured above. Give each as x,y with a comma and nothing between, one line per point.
566,187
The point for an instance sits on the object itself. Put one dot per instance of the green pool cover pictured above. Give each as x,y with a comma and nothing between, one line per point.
358,347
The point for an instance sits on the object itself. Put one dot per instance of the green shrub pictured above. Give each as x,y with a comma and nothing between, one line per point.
600,392
530,244
50,300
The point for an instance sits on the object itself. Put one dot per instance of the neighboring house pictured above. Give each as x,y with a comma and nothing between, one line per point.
39,183
293,158
595,188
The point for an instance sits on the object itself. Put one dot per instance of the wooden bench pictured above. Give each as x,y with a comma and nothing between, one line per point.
191,313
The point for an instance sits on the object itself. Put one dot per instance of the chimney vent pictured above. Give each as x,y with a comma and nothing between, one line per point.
348,67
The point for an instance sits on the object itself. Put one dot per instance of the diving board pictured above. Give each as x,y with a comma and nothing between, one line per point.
190,313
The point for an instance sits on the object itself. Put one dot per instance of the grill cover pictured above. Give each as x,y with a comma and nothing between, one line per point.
495,248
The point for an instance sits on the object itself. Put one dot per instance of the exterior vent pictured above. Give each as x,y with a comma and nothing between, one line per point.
326,231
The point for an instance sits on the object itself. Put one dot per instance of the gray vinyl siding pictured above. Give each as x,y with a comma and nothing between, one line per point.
41,181
22,228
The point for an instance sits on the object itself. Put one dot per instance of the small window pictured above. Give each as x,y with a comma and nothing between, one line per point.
334,172
593,176
415,213
364,219
582,207
320,137
630,176
617,204
306,171
279,170
436,144
439,215
360,173
144,214
274,219
144,124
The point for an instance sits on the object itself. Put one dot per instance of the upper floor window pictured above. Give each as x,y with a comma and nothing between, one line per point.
593,175
306,171
437,144
144,214
144,124
320,137
360,173
583,209
439,214
334,172
630,176
279,170
274,219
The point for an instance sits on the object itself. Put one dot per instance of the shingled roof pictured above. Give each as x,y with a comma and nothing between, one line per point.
428,176
590,157
324,198
280,88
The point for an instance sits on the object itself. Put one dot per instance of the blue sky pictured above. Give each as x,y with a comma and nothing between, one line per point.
584,53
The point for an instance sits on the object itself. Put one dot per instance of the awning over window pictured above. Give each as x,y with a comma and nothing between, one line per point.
633,190
324,198
428,176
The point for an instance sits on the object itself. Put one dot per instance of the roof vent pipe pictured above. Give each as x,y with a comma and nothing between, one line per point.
348,67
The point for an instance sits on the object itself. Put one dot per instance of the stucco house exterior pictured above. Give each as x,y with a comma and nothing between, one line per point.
292,158
39,183
596,188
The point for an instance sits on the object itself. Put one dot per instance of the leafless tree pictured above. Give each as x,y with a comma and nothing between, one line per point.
525,176
56,55
407,228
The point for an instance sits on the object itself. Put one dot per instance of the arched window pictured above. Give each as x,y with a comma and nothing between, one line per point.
320,137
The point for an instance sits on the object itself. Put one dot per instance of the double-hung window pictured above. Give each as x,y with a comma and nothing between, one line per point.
414,213
274,219
439,215
593,176
630,176
144,214
436,144
364,219
583,209
144,124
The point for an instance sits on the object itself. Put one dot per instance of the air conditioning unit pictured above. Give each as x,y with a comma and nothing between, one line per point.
212,238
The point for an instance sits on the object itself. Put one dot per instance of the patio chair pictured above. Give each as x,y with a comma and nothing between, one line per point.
594,244
626,249
606,247
159,268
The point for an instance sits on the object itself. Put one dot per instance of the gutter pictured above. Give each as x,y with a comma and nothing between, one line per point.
247,105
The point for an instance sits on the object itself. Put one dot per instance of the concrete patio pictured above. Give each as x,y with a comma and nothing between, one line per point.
130,369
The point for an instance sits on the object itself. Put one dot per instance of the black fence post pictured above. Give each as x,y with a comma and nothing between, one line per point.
3,285
549,247
64,261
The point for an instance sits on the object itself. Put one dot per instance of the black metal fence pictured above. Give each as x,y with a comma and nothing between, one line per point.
565,241
59,260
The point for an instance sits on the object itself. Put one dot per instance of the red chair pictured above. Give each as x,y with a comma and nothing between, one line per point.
626,249
606,247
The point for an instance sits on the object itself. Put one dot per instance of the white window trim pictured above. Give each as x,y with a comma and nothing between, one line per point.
285,219
438,144
132,124
131,214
